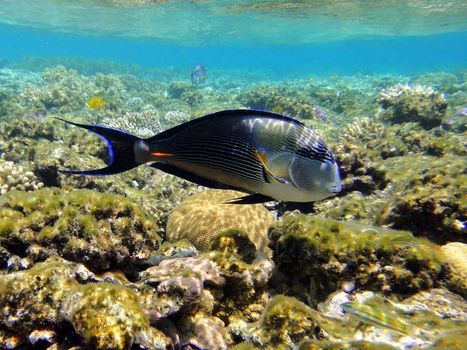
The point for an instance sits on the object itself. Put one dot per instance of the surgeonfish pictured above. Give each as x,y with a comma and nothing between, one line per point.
268,155
198,74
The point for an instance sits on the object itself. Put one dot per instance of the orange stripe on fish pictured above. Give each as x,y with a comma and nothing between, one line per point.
161,154
262,158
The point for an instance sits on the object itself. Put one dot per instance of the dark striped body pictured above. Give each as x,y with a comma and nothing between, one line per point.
262,153
223,147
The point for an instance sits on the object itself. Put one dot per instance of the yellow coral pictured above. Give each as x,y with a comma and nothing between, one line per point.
455,255
204,215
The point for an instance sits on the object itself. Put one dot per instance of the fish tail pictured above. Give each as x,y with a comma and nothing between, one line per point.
121,146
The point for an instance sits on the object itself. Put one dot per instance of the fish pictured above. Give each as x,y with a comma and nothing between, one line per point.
377,317
461,112
96,103
198,74
264,154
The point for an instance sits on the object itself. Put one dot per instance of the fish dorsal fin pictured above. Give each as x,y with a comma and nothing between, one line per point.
222,114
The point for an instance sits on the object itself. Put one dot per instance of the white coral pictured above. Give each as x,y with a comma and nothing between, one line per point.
13,177
399,90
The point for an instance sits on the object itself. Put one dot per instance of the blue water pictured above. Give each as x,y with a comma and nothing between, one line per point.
330,38
401,55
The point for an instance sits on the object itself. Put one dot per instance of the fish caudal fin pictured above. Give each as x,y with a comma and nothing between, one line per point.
121,146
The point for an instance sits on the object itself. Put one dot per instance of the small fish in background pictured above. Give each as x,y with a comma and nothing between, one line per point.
320,113
381,317
461,112
268,155
198,74
95,103
278,109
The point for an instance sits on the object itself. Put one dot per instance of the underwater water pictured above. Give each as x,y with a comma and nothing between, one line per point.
367,250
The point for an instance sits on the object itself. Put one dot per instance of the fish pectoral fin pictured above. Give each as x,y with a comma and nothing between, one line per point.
274,168
267,172
254,198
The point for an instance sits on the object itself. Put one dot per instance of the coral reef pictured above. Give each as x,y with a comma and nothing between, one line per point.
204,215
99,230
13,177
454,254
429,198
443,303
31,299
355,206
145,123
177,284
279,100
246,272
315,255
203,332
362,131
38,303
359,169
404,103
82,265
284,323
107,316
409,179
169,250
51,145
414,322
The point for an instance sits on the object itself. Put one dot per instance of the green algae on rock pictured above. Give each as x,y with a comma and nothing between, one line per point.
102,231
244,346
429,198
314,255
421,318
107,316
283,324
49,146
413,104
31,299
246,277
411,179
354,345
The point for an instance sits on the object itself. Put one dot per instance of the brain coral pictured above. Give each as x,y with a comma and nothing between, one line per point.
204,215
455,255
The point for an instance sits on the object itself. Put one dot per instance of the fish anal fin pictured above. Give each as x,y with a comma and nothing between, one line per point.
254,198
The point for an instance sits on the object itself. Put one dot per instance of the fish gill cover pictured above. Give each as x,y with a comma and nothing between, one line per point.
144,259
